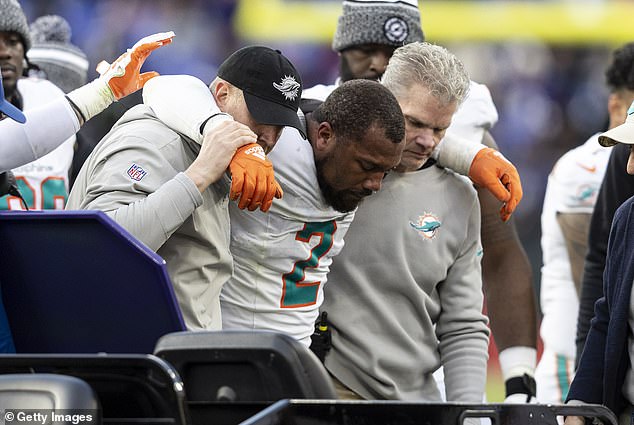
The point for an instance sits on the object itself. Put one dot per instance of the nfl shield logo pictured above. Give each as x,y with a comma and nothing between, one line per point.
136,172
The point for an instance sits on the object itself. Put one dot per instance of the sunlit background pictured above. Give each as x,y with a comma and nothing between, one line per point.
543,61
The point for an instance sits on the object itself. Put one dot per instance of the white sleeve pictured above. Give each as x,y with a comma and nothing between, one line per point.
182,102
576,179
319,92
456,153
476,115
46,127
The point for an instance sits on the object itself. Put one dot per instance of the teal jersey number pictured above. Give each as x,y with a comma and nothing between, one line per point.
53,189
295,291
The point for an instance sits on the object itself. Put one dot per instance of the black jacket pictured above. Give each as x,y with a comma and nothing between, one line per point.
617,187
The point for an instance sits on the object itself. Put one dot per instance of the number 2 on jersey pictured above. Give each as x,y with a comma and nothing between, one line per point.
295,291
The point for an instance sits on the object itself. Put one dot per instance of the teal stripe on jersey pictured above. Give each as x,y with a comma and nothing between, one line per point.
562,376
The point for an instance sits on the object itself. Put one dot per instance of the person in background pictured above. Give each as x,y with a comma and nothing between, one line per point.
43,183
605,374
571,194
55,118
31,134
52,55
617,186
55,58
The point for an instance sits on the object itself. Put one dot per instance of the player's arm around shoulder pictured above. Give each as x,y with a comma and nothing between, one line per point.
185,104
495,232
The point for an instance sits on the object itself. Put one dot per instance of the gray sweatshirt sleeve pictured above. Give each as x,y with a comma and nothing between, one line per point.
133,182
462,327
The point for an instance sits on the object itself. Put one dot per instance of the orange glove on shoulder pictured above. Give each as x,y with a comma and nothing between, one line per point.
491,170
253,179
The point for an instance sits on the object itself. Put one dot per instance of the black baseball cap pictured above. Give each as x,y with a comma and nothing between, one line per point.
8,109
271,85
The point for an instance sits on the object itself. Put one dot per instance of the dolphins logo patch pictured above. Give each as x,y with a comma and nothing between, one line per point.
427,225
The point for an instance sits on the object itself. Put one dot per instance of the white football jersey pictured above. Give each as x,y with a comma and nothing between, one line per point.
320,91
572,187
44,182
475,115
282,257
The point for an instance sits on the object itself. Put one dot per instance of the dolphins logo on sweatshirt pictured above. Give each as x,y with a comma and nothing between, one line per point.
426,225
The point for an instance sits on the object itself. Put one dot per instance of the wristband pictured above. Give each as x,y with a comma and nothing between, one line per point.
517,361
524,384
92,98
456,153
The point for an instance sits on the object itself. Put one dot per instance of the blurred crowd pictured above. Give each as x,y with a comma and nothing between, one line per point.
549,98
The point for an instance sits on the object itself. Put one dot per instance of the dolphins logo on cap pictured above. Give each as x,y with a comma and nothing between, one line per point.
289,87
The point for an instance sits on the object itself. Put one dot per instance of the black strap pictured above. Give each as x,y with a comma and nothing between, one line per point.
524,384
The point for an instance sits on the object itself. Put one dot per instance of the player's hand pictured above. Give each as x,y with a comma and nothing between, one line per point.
491,170
123,76
253,179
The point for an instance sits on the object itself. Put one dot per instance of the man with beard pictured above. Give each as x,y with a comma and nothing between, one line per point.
281,258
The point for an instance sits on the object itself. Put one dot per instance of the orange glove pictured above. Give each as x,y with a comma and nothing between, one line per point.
252,179
123,76
117,80
491,170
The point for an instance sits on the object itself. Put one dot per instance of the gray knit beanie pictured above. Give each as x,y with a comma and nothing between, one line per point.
12,18
387,22
64,64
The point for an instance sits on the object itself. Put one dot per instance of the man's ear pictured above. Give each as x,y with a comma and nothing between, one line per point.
325,140
220,92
